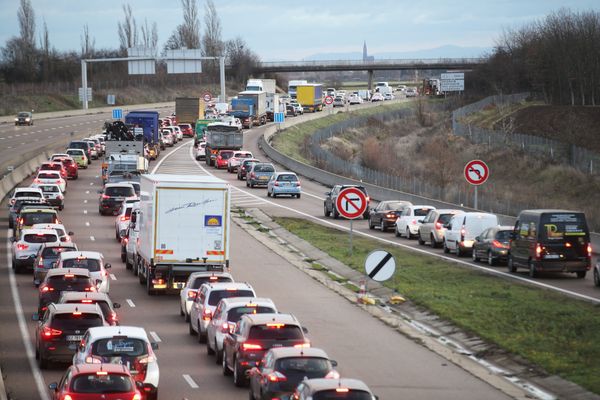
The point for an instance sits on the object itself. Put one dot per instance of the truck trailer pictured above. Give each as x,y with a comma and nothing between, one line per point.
184,225
147,121
310,96
187,110
259,103
222,136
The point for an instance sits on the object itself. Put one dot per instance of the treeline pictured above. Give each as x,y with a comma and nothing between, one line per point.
30,56
557,57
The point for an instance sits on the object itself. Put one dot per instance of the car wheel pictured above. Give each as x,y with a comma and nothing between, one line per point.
251,395
218,354
268,193
371,226
336,215
42,361
191,330
123,256
181,314
532,270
201,336
432,242
446,249
596,277
251,185
420,239
326,211
239,379
209,350
490,259
581,274
382,227
474,256
274,195
226,370
298,195
396,231
511,265
247,183
117,237
408,235
458,251
60,208
128,265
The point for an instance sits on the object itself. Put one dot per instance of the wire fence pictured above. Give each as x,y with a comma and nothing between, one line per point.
582,159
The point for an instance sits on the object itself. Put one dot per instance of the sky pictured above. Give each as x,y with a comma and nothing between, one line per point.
295,30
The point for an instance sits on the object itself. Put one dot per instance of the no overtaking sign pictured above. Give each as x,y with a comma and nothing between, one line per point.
380,265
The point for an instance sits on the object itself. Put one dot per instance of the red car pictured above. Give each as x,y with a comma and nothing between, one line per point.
186,130
54,166
96,381
71,166
222,158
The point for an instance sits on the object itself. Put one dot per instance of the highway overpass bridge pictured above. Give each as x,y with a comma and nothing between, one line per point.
442,64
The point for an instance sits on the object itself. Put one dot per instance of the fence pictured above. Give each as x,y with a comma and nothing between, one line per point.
575,156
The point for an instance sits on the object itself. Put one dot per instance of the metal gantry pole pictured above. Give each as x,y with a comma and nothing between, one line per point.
84,98
222,77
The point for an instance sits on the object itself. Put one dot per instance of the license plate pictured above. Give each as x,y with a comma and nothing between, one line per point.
74,338
551,256
72,346
178,285
263,178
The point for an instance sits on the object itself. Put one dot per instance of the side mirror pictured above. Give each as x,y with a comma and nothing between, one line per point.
512,235
71,233
333,363
55,264
107,266
154,345
139,385
304,329
116,305
53,386
477,238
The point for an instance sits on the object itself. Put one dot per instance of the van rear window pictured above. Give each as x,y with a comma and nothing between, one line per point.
563,225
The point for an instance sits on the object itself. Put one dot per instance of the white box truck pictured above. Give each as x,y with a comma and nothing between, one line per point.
184,224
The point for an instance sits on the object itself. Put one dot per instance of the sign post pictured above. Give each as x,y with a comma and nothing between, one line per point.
329,102
476,173
351,203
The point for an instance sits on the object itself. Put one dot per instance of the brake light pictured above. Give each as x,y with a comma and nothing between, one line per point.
46,288
137,396
302,345
147,360
463,231
92,360
213,278
101,373
76,312
69,276
192,294
500,245
90,289
414,222
206,314
67,397
88,301
58,181
124,218
126,240
48,332
22,246
252,175
251,346
342,390
105,196
275,325
438,225
589,249
538,250
276,377
276,183
113,316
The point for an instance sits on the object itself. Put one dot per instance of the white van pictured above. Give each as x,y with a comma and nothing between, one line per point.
462,229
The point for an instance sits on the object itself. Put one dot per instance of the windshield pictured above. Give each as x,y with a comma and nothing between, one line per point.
119,347
109,383
28,194
54,252
119,191
236,313
285,332
421,212
287,178
86,263
40,238
23,114
558,226
217,295
48,175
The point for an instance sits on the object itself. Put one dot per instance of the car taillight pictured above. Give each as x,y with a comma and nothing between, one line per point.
463,232
90,289
276,376
342,390
251,346
538,250
105,196
414,222
499,245
22,246
46,288
147,360
390,215
137,396
191,295
48,332
126,240
113,316
67,397
124,218
59,197
589,249
302,345
438,225
206,314
36,180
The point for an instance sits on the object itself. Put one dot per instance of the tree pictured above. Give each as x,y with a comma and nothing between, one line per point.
26,52
212,43
87,43
149,36
128,31
45,48
187,34
241,58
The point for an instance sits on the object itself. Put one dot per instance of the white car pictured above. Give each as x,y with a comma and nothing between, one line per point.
133,233
178,132
299,109
200,151
127,345
190,290
227,314
26,246
236,159
29,192
122,220
408,222
411,92
377,97
52,193
168,138
92,261
355,99
61,231
388,96
48,177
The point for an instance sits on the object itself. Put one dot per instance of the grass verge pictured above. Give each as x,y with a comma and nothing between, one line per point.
552,331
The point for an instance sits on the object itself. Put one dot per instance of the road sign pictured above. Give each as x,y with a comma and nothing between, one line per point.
88,92
476,172
452,82
380,265
328,100
207,97
279,117
351,203
117,113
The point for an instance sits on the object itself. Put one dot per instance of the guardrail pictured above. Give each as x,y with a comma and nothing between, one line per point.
395,61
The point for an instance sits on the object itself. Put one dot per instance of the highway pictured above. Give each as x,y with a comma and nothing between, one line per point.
365,348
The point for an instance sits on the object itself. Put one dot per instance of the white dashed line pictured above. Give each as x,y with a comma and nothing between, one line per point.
46,130
53,129
91,183
190,381
50,136
93,239
87,224
2,138
87,192
85,211
154,336
113,277
10,137
130,303
10,147
97,176
17,135
22,143
85,201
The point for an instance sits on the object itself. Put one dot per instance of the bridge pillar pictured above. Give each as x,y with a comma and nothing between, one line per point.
370,72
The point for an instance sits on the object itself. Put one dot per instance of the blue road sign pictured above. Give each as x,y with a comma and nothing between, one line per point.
117,113
279,117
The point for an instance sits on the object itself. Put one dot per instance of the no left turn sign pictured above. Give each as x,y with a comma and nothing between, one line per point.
351,203
476,172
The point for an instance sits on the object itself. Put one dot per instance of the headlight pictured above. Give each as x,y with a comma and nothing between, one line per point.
16,119
26,119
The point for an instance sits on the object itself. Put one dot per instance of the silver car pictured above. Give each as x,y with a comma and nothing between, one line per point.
259,174
432,228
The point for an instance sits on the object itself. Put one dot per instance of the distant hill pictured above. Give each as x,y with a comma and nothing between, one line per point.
447,51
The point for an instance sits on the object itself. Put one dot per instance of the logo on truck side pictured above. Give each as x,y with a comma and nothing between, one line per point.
189,205
213,220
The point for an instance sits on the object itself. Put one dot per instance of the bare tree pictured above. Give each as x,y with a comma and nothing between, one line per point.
26,51
87,43
190,29
45,47
149,35
212,43
128,31
241,58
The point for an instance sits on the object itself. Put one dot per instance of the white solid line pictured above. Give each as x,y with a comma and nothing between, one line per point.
92,238
113,277
130,303
190,381
155,337
37,375
87,224
85,211
157,166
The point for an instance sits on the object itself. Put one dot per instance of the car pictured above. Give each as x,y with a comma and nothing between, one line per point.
388,96
283,368
137,187
60,331
83,145
123,218
122,345
70,166
168,138
411,92
200,151
57,156
106,305
432,228
339,102
299,109
46,258
21,203
63,235
80,157
410,219
48,177
52,193
161,143
206,300
26,246
227,314
286,183
597,274
186,130
222,157
245,166
35,214
254,335
329,207
93,150
377,97
28,192
97,145
492,245
355,99
236,159
53,166
24,118
189,292
551,240
339,389
133,233
178,132
259,174
58,280
113,195
401,88
96,381
290,111
462,229
92,261
384,215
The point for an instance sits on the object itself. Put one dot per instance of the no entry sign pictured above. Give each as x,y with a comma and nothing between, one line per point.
380,265
476,172
351,203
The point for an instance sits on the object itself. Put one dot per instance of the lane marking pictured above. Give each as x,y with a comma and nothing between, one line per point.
93,239
85,201
91,183
87,192
155,337
113,277
190,381
87,224
37,375
85,211
130,303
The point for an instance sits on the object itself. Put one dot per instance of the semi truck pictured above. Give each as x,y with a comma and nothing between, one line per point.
187,110
269,86
259,105
184,225
244,110
125,157
310,96
293,85
147,121
222,136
